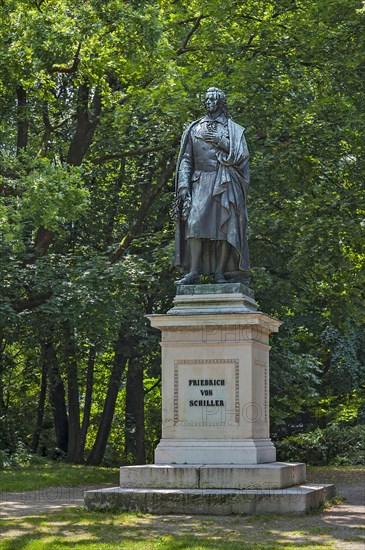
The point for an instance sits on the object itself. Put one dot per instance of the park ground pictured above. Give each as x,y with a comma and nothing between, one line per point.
53,517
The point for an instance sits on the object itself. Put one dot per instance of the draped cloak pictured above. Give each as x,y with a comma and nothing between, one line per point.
229,190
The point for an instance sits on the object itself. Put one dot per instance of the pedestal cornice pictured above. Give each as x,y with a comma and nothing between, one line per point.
230,304
228,318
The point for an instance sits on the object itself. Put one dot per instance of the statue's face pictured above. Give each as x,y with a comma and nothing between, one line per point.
212,103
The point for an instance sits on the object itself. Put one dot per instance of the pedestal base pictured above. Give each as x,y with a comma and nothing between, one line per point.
252,451
223,502
212,489
277,475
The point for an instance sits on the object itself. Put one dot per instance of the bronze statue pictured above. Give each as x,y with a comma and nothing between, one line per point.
212,178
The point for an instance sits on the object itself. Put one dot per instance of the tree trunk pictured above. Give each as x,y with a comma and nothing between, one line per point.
80,450
40,412
2,371
134,414
47,131
42,241
23,121
120,360
114,204
85,124
57,398
73,396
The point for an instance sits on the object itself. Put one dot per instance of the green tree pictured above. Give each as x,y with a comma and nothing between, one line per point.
94,97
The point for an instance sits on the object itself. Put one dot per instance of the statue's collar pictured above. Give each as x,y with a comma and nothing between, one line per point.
221,119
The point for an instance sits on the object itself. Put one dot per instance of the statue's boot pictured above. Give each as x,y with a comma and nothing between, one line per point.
219,277
191,278
222,253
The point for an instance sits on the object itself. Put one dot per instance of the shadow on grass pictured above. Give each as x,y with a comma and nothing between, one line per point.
75,528
163,543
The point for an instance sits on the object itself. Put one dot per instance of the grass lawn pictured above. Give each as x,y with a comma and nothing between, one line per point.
33,478
55,474
75,528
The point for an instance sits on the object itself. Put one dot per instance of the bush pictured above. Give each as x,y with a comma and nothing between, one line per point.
332,446
20,457
4,459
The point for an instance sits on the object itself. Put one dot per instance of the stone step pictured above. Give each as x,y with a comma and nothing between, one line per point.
276,475
293,500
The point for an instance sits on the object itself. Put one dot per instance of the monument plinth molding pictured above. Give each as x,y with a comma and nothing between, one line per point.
215,455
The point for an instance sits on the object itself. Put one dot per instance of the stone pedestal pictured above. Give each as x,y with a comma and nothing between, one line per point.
215,455
215,378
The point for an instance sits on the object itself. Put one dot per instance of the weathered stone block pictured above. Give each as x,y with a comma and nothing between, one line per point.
294,500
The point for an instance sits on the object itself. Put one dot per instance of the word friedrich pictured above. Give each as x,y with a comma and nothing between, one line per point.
208,382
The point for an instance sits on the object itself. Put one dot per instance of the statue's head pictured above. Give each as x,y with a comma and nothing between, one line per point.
219,97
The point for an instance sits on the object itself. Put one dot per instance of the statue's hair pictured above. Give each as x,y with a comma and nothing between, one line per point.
222,99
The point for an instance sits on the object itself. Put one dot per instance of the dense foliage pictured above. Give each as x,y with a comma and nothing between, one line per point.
93,98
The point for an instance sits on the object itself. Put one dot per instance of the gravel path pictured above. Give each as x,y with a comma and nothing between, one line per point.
44,500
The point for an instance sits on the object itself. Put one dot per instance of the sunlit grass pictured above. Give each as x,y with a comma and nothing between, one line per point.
32,478
77,528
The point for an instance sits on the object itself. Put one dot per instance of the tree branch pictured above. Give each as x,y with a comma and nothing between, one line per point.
246,47
194,28
147,202
250,17
130,153
190,20
260,239
68,70
32,302
157,383
221,48
38,4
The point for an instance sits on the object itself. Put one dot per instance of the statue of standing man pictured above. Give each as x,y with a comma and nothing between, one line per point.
212,178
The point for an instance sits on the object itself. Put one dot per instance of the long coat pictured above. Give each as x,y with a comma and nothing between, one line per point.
229,189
